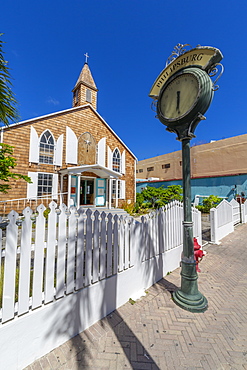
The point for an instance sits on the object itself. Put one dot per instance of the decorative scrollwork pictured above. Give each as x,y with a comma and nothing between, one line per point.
179,49
154,105
214,70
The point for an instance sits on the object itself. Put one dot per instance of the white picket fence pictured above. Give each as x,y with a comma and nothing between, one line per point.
225,217
162,230
244,212
77,268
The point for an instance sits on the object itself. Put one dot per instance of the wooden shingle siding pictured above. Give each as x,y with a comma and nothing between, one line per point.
80,120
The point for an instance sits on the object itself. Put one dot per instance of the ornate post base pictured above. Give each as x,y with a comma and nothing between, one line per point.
188,297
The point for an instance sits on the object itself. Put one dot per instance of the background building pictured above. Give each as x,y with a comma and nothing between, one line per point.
217,168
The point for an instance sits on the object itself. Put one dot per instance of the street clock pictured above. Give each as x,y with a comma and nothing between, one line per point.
184,90
185,95
182,93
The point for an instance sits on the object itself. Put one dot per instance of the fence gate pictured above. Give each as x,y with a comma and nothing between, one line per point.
236,212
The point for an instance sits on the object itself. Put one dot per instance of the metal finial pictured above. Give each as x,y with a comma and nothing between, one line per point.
179,49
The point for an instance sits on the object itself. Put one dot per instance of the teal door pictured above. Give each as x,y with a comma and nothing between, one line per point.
100,198
74,189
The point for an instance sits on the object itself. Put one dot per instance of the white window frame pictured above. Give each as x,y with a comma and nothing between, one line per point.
114,163
32,189
52,145
43,185
120,185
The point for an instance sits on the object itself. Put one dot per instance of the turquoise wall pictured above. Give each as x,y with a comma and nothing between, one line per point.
224,186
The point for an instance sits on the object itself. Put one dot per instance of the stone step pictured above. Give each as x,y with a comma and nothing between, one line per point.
113,211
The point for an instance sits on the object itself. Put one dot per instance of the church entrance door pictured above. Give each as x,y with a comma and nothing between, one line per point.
100,199
87,192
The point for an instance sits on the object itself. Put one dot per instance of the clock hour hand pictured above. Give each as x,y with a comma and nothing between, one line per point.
178,101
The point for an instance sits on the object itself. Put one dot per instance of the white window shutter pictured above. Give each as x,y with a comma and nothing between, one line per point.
101,151
123,163
34,146
59,151
55,185
32,189
109,155
122,189
71,146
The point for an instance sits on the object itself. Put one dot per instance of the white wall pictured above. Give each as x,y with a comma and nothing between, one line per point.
27,338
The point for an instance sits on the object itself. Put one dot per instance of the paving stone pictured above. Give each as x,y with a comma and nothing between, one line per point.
154,333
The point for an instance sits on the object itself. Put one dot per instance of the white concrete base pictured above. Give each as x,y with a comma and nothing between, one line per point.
27,338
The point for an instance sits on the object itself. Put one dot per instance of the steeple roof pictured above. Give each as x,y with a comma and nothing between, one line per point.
86,78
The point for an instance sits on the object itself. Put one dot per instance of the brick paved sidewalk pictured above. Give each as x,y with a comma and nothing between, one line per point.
154,333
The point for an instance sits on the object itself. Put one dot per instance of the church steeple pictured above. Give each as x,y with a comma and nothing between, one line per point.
85,90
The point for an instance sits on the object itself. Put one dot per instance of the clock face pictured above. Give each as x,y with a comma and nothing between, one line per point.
179,96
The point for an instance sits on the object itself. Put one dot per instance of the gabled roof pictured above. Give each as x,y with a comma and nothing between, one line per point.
86,78
32,120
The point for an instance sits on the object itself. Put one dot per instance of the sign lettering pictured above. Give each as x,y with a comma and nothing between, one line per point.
203,57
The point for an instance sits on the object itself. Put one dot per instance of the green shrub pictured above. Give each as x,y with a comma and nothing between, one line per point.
139,199
159,197
211,202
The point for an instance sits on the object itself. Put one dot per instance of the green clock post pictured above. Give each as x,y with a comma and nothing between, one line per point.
182,93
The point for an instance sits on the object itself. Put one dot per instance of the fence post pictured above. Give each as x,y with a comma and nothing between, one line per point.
244,209
242,215
10,268
25,262
50,253
213,225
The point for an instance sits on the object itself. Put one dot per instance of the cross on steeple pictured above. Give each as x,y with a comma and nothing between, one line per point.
87,56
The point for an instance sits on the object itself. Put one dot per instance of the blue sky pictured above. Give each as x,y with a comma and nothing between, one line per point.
128,43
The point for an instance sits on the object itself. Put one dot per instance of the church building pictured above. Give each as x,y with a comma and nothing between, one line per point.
72,156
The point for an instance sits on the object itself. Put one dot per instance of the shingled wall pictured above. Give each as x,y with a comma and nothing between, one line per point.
80,120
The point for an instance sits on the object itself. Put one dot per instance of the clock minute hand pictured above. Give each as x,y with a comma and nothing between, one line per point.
178,101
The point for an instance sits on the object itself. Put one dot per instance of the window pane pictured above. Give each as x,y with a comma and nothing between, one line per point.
46,148
44,184
116,160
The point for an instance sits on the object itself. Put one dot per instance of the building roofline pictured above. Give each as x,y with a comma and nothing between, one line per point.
30,121
192,178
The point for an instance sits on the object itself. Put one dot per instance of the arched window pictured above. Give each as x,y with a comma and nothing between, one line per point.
86,149
46,148
116,160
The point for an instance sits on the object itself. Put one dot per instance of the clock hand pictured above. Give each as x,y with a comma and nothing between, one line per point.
178,101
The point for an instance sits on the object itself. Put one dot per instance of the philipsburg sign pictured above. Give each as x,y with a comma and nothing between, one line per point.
182,93
203,57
